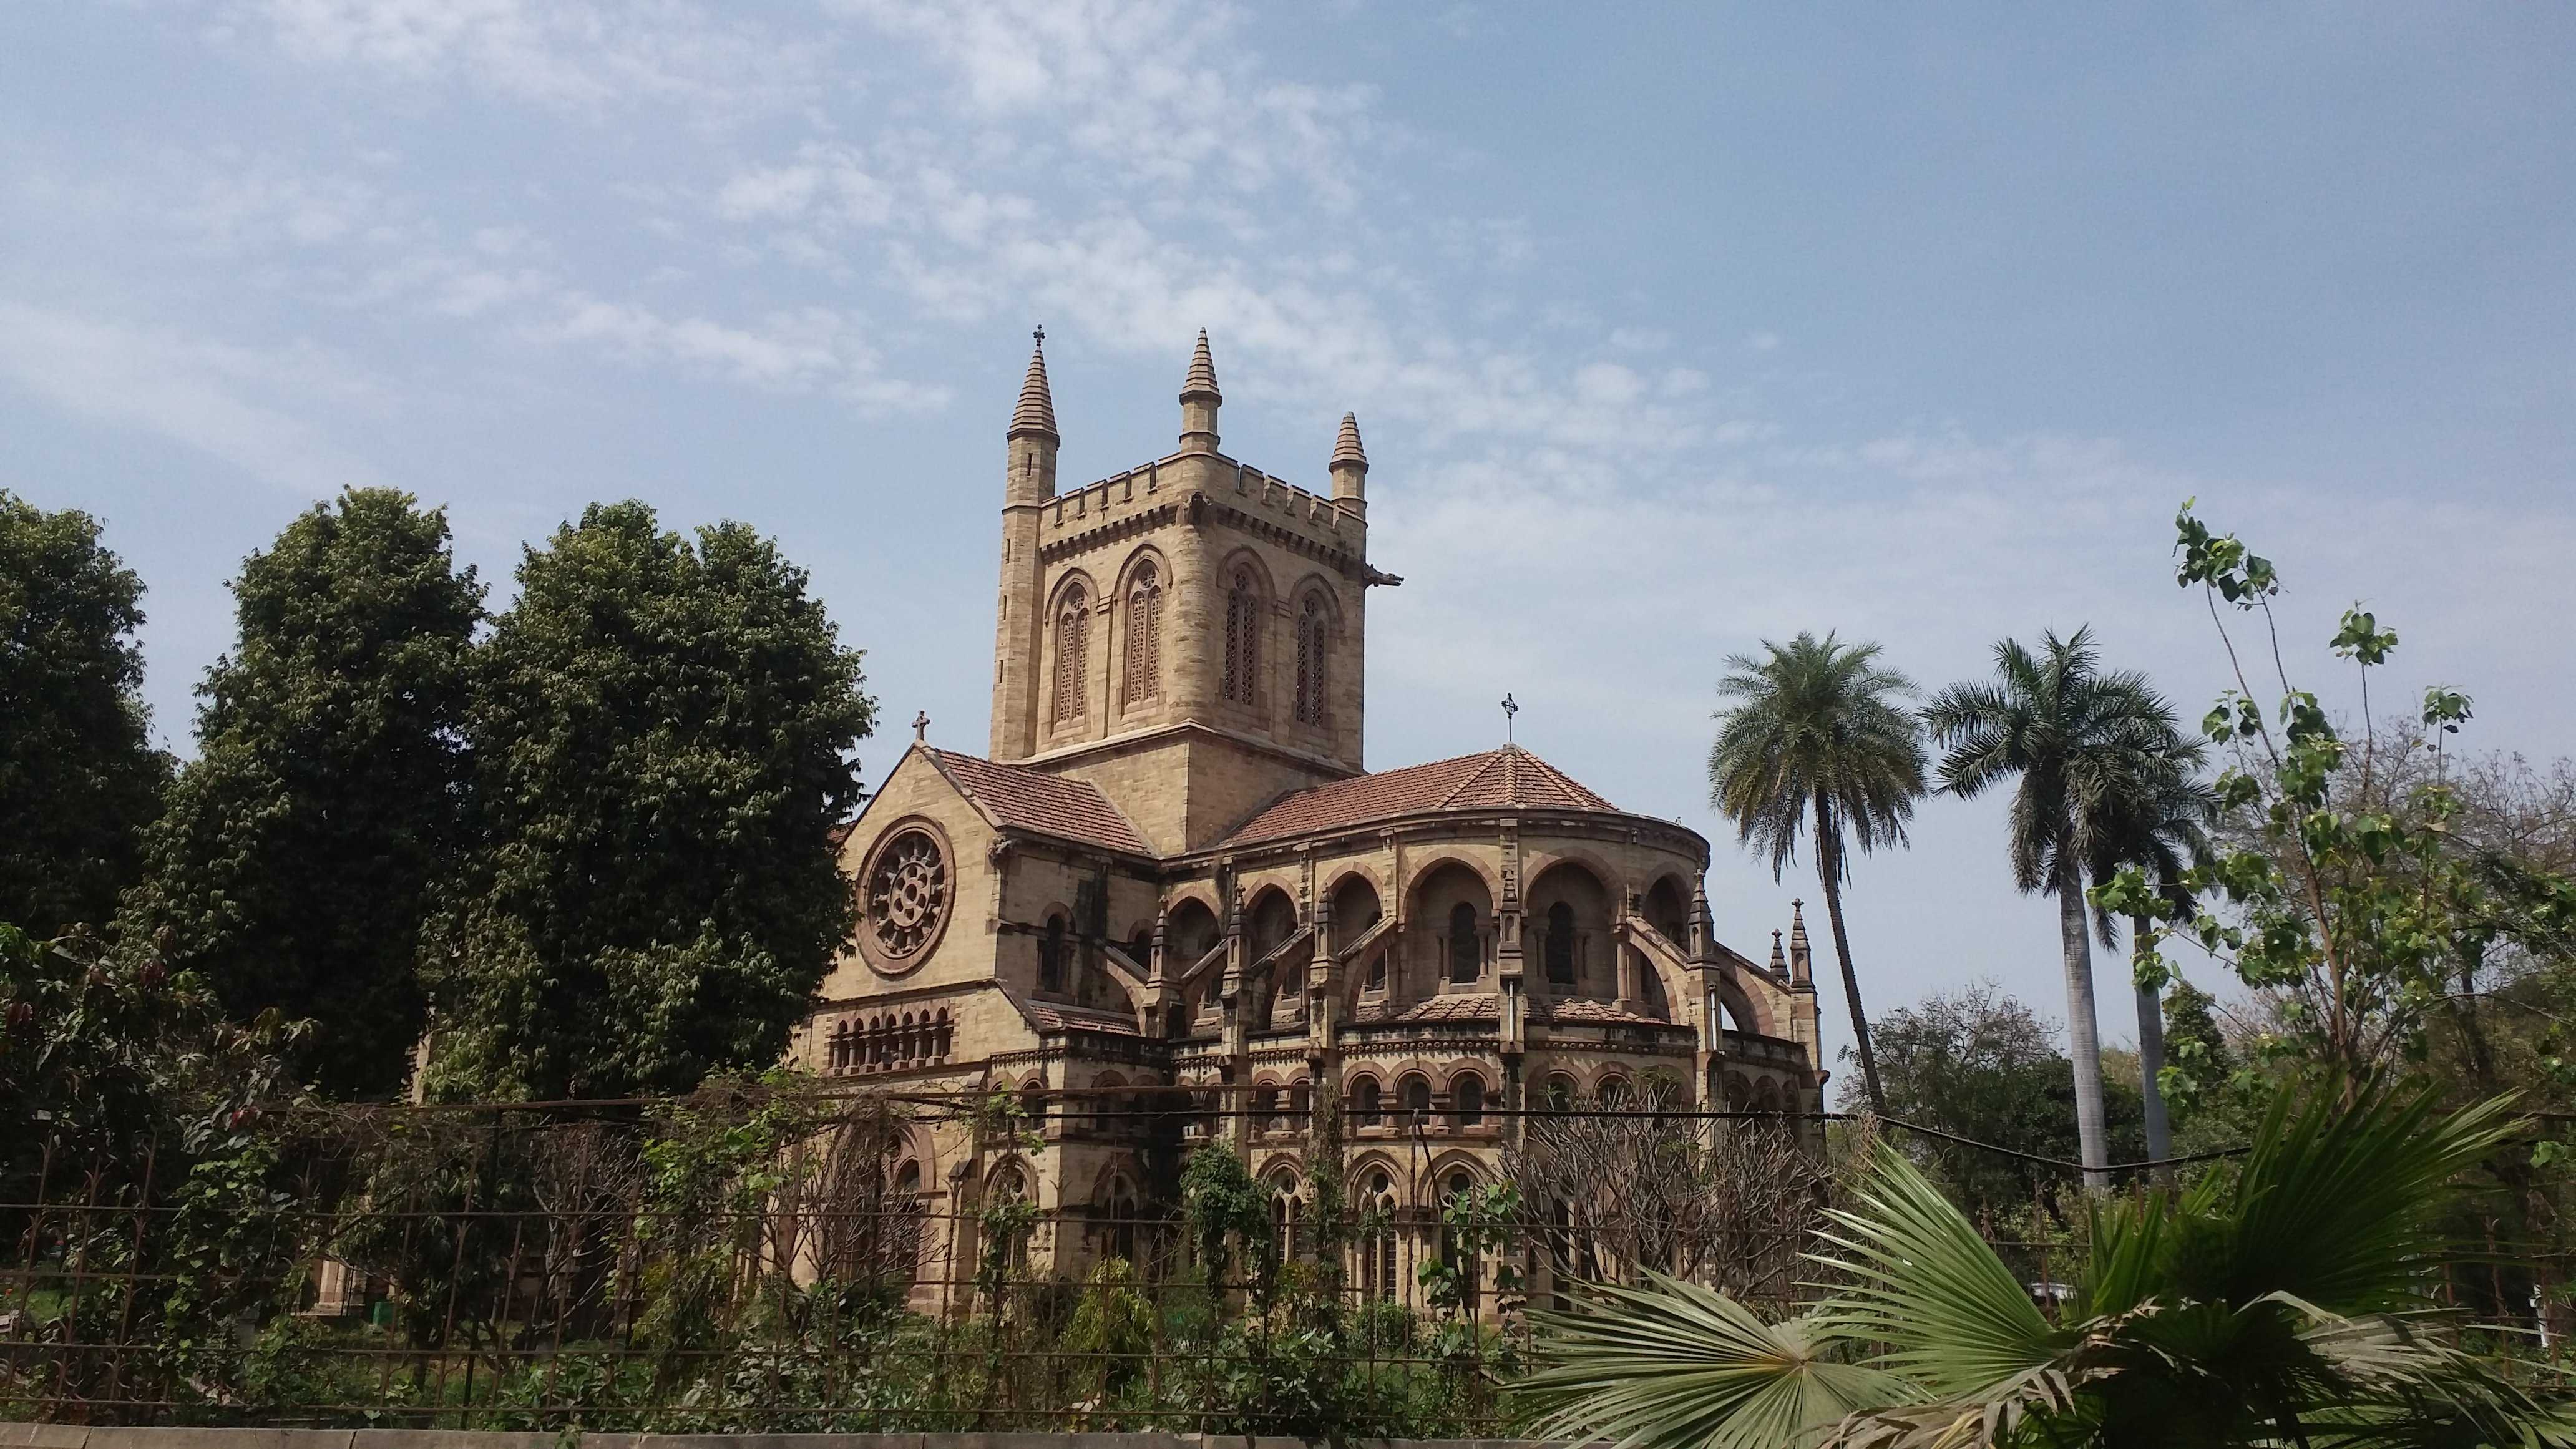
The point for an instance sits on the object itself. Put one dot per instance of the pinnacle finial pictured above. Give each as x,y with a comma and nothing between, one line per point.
1779,958
1202,379
1346,448
1036,412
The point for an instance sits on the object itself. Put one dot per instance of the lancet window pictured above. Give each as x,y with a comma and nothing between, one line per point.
1072,656
1145,636
1242,638
1310,662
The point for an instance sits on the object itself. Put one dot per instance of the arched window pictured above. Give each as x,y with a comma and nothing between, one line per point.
1072,655
1377,1237
1265,1109
1301,1105
1310,662
1417,1099
1144,636
1010,1185
940,1035
906,1219
840,1050
1560,944
1242,639
1466,1100
1614,1093
1367,1103
1122,1220
1287,1215
1455,1252
1560,1093
1051,955
1466,949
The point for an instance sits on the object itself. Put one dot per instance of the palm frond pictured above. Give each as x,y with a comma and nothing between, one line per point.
1674,1365
1954,1318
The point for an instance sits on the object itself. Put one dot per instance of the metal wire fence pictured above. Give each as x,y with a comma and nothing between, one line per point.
748,1259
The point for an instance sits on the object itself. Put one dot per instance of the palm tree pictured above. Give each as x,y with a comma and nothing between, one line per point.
2292,1302
1815,741
2072,735
2157,818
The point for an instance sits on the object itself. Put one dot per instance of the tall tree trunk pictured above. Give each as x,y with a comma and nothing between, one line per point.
2083,1031
1829,874
2151,1060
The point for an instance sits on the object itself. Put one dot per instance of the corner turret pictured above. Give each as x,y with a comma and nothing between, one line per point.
1033,439
1350,467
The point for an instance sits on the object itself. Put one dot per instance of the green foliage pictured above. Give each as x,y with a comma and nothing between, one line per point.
1815,740
2292,1301
2347,893
1224,1206
79,778
660,731
1979,1064
330,768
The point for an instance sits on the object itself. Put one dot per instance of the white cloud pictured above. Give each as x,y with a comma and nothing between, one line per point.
242,405
807,350
563,54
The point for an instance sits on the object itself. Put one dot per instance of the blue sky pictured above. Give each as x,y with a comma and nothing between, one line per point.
1669,328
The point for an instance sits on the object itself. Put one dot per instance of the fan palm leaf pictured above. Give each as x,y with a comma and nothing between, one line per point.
1674,1365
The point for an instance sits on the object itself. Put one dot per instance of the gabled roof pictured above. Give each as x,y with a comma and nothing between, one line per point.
1510,778
1015,797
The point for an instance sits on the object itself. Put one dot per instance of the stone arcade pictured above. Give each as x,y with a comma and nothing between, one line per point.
1172,871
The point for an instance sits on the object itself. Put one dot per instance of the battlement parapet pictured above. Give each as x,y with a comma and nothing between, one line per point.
1114,499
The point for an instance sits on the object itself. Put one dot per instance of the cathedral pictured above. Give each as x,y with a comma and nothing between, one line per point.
1168,904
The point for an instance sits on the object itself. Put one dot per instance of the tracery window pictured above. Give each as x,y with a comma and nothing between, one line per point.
1466,949
1560,944
1310,662
1377,1239
1242,638
1144,636
1072,656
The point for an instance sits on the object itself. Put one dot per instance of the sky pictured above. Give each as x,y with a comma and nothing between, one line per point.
1670,329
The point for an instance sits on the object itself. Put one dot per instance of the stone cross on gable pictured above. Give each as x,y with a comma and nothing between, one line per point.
921,727
1511,707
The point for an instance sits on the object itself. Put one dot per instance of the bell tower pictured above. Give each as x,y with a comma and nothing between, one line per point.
1187,634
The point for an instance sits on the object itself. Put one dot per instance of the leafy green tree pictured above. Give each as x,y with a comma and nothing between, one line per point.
660,732
1815,740
79,778
296,861
2294,1302
2076,738
1977,1063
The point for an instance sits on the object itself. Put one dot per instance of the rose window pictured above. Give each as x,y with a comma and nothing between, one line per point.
908,894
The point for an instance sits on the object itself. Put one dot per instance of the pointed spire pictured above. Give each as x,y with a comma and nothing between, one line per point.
1202,379
1036,412
1347,449
1779,961
1802,960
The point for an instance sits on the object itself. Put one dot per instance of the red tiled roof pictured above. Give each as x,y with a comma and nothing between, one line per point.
1510,778
1015,797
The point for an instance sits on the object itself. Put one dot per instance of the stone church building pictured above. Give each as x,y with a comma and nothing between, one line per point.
1170,870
